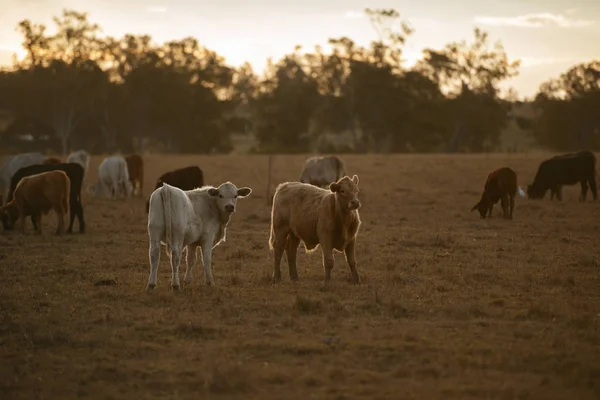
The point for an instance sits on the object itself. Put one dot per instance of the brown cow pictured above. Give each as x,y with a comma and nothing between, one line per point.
52,160
36,195
501,184
316,216
186,178
135,167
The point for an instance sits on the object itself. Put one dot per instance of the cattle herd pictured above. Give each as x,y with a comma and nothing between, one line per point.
184,214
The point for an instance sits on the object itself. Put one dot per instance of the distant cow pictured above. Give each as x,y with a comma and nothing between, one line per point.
186,178
113,177
566,169
80,157
12,164
75,173
188,219
321,171
501,184
315,216
135,168
36,195
52,160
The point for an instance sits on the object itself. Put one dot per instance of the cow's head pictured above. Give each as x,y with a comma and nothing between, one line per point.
534,192
227,195
346,191
483,205
8,216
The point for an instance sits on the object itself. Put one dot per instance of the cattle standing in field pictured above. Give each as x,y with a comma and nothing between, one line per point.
501,184
321,171
186,178
36,195
189,219
12,164
315,216
135,168
52,160
75,173
80,157
566,169
113,177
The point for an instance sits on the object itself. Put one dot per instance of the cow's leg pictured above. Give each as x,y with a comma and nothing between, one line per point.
190,261
559,192
37,218
34,223
328,259
490,211
349,252
584,190
504,203
79,212
291,248
154,256
592,182
60,217
279,244
22,217
512,205
207,260
176,251
72,212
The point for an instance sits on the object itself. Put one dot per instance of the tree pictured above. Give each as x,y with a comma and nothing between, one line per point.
569,117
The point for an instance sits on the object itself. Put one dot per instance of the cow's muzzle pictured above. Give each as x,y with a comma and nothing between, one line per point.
354,205
229,208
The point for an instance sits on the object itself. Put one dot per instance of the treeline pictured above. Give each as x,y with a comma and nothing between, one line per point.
74,89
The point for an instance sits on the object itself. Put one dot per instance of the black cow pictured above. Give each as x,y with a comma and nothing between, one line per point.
75,173
565,169
186,178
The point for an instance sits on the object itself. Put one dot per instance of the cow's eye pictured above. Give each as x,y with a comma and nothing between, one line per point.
220,196
342,191
235,197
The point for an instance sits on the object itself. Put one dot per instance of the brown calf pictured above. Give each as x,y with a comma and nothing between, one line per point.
501,184
52,160
315,216
135,167
36,195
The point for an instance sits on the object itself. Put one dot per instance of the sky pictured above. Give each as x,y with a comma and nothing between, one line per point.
548,36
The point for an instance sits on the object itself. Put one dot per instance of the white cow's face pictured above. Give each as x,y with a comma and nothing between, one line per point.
227,195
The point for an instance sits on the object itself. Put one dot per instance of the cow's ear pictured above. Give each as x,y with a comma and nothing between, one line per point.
355,179
213,192
243,192
334,187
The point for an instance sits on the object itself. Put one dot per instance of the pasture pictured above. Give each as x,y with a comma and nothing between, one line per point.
450,307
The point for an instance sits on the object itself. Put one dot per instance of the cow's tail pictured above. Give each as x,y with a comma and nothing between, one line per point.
272,234
166,200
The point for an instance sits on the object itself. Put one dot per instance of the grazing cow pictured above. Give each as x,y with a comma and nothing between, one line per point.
189,219
52,160
12,164
501,184
36,195
113,177
75,173
315,216
186,178
321,171
135,168
80,157
565,169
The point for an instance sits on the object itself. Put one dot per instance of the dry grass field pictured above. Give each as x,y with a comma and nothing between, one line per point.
450,307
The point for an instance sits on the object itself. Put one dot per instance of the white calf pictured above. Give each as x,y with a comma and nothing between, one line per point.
189,219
